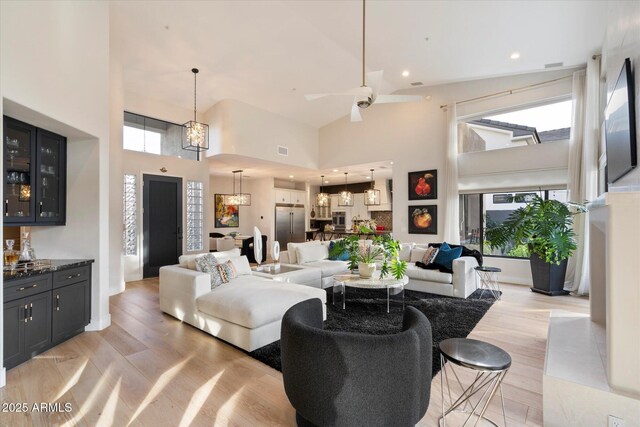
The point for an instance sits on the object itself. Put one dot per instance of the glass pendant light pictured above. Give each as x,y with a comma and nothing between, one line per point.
372,196
195,135
346,197
238,199
322,198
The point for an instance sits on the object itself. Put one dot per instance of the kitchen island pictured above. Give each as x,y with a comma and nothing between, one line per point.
315,234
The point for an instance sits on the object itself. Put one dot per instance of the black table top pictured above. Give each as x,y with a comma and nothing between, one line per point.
488,269
475,354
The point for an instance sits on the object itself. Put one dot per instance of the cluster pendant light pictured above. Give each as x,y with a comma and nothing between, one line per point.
372,196
322,198
195,135
346,197
240,198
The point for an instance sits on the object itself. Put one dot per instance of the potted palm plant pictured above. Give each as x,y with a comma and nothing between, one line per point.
383,251
545,227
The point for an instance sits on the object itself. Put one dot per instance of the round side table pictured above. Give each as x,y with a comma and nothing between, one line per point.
489,280
490,363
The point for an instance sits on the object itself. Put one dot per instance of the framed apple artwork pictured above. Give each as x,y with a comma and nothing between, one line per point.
423,185
423,219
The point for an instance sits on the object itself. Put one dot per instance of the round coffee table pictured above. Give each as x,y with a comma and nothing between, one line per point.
342,281
489,280
491,364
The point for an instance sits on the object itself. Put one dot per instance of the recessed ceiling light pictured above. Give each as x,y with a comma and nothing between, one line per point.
290,176
405,73
326,182
335,170
390,163
515,55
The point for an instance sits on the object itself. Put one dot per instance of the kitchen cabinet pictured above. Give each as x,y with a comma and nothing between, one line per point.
43,310
293,197
34,166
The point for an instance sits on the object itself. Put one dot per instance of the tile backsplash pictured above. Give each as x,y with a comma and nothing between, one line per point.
383,218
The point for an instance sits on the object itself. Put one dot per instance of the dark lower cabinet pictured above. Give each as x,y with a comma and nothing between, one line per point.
71,310
46,317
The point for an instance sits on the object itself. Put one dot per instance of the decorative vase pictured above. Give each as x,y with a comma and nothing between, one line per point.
366,270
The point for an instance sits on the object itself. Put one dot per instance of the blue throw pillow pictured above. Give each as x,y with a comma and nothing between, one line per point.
344,256
446,255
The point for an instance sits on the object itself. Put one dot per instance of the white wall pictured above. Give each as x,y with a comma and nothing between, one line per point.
242,129
55,74
622,41
260,214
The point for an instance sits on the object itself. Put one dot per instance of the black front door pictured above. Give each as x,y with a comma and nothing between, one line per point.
161,222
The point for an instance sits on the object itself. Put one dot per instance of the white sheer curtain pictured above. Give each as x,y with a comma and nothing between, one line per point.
452,210
583,167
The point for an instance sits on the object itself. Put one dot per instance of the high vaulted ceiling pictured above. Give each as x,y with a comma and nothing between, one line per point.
270,53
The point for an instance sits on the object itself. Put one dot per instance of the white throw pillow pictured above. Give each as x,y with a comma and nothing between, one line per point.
227,254
405,251
291,249
189,261
312,253
241,263
417,254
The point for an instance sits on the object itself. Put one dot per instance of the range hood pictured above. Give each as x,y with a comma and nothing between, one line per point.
386,201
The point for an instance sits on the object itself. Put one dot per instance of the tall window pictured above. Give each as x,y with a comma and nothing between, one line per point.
538,125
478,212
153,136
130,239
194,215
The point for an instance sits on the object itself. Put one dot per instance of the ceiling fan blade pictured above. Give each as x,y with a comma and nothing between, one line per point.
355,113
374,81
389,99
350,92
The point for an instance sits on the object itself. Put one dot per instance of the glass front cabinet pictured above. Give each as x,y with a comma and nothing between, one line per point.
34,175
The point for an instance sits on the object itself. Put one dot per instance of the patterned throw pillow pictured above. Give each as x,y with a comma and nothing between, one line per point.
429,255
209,264
227,271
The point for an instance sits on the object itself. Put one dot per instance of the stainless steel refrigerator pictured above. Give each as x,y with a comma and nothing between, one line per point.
289,225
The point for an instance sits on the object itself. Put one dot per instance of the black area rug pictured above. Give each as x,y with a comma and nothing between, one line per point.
366,312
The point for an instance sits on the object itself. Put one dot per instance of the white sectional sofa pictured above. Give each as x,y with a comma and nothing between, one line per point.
460,284
245,312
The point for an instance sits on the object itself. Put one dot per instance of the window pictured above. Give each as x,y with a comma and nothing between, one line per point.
153,136
538,125
194,215
479,212
130,239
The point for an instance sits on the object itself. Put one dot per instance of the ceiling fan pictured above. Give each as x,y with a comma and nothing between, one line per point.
364,96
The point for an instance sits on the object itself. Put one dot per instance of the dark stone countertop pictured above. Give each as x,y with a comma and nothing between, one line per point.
56,264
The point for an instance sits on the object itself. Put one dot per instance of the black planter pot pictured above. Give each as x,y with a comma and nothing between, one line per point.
548,278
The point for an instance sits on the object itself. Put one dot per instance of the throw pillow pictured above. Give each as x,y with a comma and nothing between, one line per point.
209,264
342,256
430,255
312,253
417,254
446,255
227,271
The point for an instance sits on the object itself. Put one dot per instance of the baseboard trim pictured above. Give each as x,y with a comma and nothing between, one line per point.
99,324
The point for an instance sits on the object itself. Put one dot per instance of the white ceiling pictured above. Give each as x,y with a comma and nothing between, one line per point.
223,164
258,52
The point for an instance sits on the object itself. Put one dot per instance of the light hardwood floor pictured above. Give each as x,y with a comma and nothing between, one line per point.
149,369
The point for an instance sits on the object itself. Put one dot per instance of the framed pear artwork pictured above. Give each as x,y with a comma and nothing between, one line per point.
423,185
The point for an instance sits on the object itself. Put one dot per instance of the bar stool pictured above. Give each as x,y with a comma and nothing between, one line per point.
491,364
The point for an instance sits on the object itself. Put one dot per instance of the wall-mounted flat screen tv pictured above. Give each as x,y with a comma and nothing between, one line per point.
620,124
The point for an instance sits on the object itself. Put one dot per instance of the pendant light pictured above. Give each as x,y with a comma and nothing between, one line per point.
322,198
372,196
240,198
195,135
346,197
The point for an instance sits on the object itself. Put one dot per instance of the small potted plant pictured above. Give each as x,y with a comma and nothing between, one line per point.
545,227
384,250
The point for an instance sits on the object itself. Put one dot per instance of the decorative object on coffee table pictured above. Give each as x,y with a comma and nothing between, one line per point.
545,227
491,364
423,185
423,219
384,250
257,246
342,281
275,253
489,280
